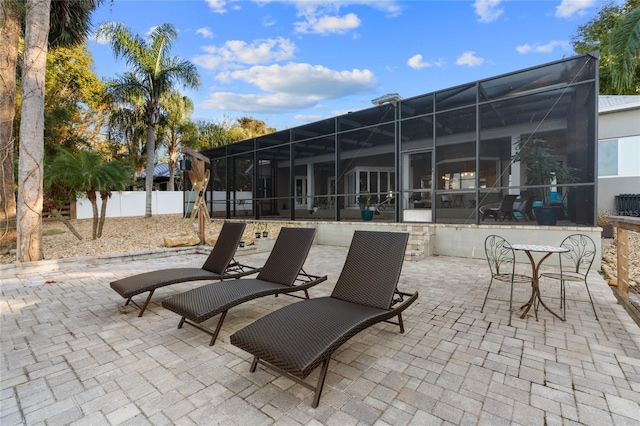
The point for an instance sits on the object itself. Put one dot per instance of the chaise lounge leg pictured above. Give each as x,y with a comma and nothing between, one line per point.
181,323
254,364
320,385
127,302
218,327
400,323
146,303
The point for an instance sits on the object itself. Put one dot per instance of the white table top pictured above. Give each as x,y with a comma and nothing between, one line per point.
538,248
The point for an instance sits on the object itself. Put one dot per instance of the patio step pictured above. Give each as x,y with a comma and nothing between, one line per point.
414,255
419,246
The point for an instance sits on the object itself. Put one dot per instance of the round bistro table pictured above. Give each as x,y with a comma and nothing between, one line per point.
535,267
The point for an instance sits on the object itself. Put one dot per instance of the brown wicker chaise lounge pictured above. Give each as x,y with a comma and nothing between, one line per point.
500,211
298,338
219,265
278,276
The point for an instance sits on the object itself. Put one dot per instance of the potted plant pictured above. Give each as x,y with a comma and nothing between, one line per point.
322,204
364,200
604,223
542,168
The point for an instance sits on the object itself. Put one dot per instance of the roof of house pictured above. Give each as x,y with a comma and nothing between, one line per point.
160,170
611,103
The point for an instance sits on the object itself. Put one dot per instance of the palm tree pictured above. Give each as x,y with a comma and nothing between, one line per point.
64,23
30,202
10,17
87,172
126,134
624,45
178,126
153,73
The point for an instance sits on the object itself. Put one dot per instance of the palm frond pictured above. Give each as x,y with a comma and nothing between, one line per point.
624,47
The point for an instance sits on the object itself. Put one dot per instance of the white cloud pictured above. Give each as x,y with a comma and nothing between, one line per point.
237,52
305,80
328,24
257,103
417,63
268,21
336,112
568,8
308,118
102,39
310,7
324,17
205,32
543,48
488,10
217,6
150,30
469,59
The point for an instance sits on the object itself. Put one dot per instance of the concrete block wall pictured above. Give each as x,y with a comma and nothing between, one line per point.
450,240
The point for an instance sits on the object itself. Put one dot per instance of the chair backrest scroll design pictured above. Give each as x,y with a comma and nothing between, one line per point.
499,255
582,252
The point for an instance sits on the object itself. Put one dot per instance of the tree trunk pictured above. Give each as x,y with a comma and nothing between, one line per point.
172,177
151,154
103,211
10,36
91,195
56,213
30,167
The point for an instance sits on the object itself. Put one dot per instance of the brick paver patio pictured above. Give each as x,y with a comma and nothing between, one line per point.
73,354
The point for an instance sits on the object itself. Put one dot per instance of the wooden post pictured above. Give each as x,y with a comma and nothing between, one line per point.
623,261
624,225
199,177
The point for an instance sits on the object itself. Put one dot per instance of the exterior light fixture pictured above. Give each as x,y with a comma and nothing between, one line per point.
185,164
390,98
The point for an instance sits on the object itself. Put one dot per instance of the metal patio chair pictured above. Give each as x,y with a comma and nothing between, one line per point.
574,266
502,263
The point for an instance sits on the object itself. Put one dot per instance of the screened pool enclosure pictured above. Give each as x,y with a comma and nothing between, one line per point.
441,157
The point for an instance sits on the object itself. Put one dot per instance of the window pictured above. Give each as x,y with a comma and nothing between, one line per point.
608,158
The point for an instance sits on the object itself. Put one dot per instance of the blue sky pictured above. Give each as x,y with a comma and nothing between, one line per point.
290,62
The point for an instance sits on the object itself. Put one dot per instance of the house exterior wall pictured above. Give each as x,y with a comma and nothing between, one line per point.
620,125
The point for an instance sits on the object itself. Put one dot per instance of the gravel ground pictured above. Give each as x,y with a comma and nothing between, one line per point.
609,260
122,235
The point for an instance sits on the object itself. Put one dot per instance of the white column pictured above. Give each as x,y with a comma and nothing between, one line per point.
516,170
310,185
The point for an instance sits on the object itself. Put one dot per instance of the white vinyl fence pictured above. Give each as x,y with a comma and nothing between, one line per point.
132,203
